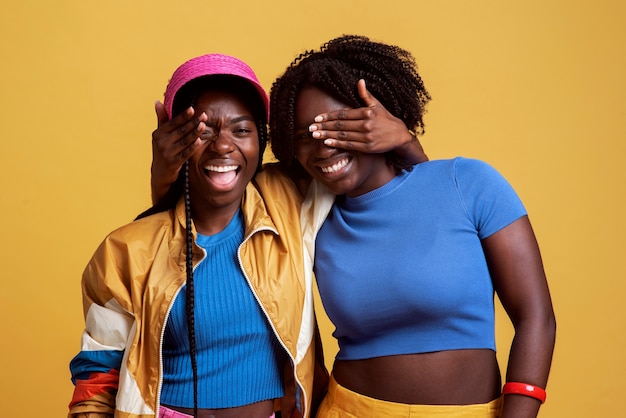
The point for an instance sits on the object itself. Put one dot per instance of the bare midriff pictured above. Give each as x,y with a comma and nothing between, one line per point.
262,409
456,377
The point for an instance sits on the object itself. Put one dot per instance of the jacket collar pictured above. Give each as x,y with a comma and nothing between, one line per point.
254,210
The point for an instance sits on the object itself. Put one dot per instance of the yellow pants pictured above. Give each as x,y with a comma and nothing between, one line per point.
343,403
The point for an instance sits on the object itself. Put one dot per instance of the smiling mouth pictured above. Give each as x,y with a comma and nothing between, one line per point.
221,168
335,167
221,174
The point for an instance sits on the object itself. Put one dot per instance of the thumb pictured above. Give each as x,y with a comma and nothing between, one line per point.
368,99
161,113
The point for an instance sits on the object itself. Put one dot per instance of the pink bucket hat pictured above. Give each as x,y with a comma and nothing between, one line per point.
211,64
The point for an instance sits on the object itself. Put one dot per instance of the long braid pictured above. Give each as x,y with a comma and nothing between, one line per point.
191,332
185,97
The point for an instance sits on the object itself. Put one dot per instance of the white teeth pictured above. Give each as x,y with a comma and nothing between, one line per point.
335,167
221,168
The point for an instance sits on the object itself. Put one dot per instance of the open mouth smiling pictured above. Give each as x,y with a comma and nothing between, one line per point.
222,174
221,168
330,169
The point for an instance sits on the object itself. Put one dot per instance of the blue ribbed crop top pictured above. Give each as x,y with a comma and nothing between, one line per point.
239,358
401,269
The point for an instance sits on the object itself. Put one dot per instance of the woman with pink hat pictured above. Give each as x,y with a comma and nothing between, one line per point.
203,306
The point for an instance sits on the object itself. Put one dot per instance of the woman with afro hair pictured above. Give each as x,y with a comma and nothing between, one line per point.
408,258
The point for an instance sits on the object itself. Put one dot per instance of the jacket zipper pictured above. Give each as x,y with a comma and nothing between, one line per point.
291,358
167,315
169,308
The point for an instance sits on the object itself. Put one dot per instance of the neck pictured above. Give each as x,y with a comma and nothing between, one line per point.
211,222
379,178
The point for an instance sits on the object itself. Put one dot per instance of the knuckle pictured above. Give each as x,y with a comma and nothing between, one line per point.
155,136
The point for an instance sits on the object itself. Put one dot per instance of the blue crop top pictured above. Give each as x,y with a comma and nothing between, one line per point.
239,357
401,269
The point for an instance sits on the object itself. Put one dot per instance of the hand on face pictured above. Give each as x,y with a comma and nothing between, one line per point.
370,129
343,171
173,142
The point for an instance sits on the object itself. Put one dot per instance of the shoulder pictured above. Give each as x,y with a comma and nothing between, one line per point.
469,166
273,183
153,224
459,169
458,161
272,172
489,199
140,235
477,174
127,253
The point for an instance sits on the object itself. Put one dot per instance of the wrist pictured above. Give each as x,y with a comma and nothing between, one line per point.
412,151
158,191
524,389
405,145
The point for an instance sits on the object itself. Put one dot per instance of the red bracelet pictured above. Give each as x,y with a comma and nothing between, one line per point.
525,389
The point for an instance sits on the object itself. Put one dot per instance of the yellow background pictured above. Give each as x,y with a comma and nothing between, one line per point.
536,88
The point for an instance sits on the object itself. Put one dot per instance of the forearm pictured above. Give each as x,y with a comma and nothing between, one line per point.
530,359
159,190
412,151
161,179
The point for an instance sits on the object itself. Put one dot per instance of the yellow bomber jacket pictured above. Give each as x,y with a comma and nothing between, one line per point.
134,276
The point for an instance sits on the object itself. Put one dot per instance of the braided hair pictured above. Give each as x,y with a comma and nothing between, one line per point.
189,292
186,96
391,76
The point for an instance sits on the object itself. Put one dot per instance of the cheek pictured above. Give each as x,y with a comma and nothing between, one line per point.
252,152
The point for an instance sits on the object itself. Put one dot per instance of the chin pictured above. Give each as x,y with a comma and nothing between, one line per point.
338,188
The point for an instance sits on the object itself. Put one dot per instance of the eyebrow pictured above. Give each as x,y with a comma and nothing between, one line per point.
241,119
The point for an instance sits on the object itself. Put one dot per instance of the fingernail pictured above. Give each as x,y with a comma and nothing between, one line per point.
312,128
319,118
316,135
